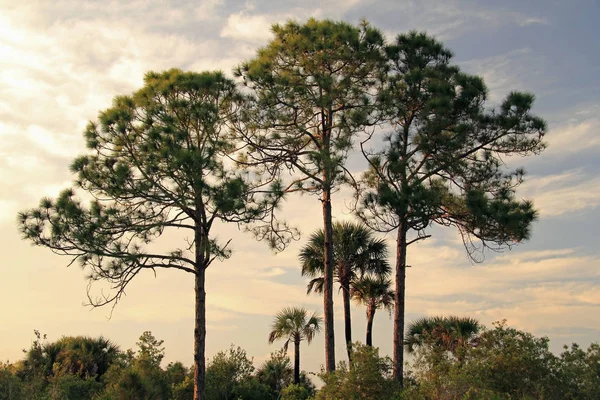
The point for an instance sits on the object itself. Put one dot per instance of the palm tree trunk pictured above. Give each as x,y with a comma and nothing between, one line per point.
200,324
347,318
328,278
296,361
399,303
370,318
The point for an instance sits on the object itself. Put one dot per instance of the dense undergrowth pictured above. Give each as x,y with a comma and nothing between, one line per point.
498,363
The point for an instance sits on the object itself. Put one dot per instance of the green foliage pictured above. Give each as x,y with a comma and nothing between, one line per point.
73,387
451,334
580,372
513,362
11,386
295,392
83,356
442,161
368,377
139,375
276,372
183,390
355,252
180,379
314,90
70,367
225,372
294,324
441,164
155,162
251,389
506,363
150,353
159,159
156,151
502,363
374,292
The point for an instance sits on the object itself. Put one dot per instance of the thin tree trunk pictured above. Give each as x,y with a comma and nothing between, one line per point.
297,361
370,318
347,319
328,280
399,303
200,325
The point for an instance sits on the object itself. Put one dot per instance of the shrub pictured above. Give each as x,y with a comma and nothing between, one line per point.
368,377
295,392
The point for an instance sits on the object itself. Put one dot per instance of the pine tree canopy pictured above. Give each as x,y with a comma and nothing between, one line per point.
443,161
157,160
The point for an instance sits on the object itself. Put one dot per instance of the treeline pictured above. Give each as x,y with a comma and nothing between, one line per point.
454,358
83,368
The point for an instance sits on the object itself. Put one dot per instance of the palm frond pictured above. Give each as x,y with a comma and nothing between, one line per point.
293,323
315,285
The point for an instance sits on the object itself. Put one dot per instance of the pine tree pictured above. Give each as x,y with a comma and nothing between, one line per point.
442,162
157,162
314,88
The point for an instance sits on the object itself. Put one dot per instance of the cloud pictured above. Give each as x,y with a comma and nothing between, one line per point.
578,135
524,21
532,289
255,28
516,70
451,19
567,192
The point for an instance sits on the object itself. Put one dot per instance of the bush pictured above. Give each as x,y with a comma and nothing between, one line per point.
225,371
10,385
580,371
506,363
295,392
183,390
251,389
72,387
368,377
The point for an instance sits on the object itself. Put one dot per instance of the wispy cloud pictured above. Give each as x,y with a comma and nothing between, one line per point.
568,192
517,70
245,27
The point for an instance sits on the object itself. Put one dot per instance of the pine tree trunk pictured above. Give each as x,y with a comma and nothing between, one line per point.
200,325
347,318
399,304
370,318
328,280
296,361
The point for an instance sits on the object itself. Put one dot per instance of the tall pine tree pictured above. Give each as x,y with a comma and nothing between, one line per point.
442,162
314,91
157,162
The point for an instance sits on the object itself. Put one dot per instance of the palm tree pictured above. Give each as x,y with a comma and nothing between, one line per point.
375,292
355,253
85,356
294,324
451,334
276,372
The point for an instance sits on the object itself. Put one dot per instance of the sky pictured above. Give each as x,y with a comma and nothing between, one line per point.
61,62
